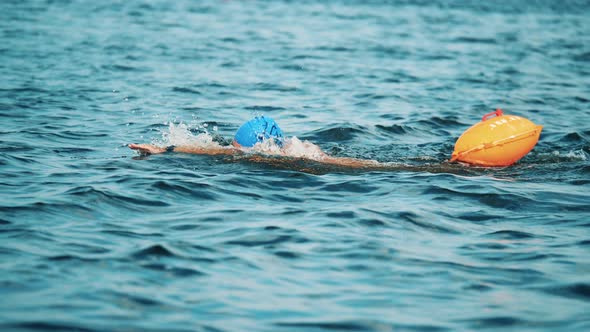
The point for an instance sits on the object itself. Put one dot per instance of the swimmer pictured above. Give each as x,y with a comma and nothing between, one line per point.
257,131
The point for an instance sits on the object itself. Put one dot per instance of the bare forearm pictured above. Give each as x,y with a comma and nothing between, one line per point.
351,162
209,151
147,149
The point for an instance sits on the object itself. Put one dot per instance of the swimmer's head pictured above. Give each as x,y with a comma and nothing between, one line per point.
258,130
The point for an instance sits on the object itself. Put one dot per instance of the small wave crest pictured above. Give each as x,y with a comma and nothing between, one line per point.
561,156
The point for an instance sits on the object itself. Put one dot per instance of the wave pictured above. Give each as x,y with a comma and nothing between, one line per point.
337,133
46,326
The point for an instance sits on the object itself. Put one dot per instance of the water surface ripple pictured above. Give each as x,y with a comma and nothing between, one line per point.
93,239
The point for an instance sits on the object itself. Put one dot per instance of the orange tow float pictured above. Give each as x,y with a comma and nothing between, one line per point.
499,141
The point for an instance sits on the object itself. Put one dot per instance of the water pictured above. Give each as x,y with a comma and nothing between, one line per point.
96,239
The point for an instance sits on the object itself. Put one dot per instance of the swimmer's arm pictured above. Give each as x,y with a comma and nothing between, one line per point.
209,151
147,149
325,158
374,165
351,162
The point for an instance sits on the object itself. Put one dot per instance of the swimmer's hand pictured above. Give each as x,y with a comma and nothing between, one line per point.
147,149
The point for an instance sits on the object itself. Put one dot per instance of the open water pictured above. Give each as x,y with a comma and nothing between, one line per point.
94,238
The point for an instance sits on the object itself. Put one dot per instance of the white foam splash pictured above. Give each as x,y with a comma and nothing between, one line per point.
572,155
296,148
292,147
180,134
269,147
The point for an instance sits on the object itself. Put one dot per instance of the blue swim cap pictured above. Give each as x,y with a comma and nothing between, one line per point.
258,130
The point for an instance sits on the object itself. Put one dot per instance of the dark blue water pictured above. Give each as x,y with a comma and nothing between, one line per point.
93,239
